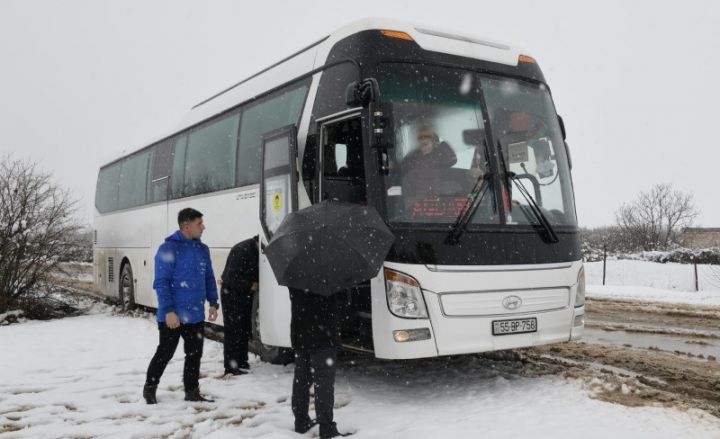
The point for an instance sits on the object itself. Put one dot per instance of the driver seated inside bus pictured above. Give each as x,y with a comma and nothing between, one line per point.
422,169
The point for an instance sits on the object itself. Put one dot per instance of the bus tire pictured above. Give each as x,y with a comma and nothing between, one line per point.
126,290
267,353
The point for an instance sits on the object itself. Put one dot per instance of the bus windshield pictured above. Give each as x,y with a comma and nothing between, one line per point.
449,123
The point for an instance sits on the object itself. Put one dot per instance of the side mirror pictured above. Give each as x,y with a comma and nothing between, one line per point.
562,126
352,95
362,93
567,152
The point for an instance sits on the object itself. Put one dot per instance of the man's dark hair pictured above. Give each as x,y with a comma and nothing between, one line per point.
188,214
256,238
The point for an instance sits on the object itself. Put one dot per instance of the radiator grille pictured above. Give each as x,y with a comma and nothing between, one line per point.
488,303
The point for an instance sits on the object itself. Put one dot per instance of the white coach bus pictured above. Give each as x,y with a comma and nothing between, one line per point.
486,253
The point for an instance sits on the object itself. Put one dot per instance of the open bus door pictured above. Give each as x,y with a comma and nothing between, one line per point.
278,197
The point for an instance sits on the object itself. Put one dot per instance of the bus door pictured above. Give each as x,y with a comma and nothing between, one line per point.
342,171
342,177
278,197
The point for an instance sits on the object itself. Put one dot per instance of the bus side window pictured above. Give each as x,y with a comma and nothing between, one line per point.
210,156
335,160
132,190
106,194
160,172
279,109
343,167
178,167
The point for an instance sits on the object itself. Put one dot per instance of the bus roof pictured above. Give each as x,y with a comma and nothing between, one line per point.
315,55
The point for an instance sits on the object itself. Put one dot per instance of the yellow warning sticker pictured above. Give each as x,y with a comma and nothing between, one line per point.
277,202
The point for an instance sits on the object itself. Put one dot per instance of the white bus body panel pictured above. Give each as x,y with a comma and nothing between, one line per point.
230,216
480,290
118,241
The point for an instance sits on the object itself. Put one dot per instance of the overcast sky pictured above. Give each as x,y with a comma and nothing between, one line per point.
636,82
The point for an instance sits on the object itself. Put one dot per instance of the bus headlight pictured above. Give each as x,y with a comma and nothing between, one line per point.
404,296
580,296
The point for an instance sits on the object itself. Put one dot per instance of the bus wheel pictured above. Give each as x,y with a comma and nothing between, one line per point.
267,353
127,288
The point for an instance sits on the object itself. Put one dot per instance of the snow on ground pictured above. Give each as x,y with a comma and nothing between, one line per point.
82,377
641,280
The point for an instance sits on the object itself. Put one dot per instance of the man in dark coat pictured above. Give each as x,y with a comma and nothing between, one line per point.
239,284
422,169
184,280
315,335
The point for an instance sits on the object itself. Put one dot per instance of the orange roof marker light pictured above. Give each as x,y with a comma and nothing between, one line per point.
396,34
527,59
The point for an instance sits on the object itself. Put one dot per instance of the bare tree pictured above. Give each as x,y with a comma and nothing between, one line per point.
37,228
653,221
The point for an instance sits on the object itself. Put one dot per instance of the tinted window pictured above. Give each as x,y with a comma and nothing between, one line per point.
178,167
260,118
106,193
210,157
160,174
133,180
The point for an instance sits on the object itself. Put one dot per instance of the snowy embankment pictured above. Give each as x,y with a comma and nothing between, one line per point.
82,377
652,281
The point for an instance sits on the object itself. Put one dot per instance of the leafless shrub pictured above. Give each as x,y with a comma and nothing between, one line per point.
38,228
653,221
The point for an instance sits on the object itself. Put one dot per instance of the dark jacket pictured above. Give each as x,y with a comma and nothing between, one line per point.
184,278
241,267
314,324
422,173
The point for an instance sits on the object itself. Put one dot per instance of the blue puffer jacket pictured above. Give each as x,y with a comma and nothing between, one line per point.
184,279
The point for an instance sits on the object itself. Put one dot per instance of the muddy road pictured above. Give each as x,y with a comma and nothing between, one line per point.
641,353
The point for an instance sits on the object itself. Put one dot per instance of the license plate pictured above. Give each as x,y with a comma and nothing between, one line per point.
517,326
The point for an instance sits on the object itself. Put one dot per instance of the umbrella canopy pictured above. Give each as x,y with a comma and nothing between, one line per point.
328,247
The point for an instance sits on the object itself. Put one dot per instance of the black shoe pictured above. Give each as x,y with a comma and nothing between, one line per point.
244,366
149,394
195,396
235,372
304,427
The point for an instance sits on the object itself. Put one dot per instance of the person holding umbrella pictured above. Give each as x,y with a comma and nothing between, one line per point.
315,335
317,252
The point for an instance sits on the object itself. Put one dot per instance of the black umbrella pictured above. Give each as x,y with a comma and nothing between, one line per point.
328,247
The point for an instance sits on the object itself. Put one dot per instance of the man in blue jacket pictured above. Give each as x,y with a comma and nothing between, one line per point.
184,279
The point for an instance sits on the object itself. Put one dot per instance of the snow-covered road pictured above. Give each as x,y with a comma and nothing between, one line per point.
82,377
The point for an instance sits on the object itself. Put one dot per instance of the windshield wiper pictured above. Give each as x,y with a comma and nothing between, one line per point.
549,235
474,199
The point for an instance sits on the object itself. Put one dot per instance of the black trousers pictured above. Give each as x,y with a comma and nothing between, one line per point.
315,367
237,315
193,337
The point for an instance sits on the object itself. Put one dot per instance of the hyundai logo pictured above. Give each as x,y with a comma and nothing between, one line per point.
512,302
